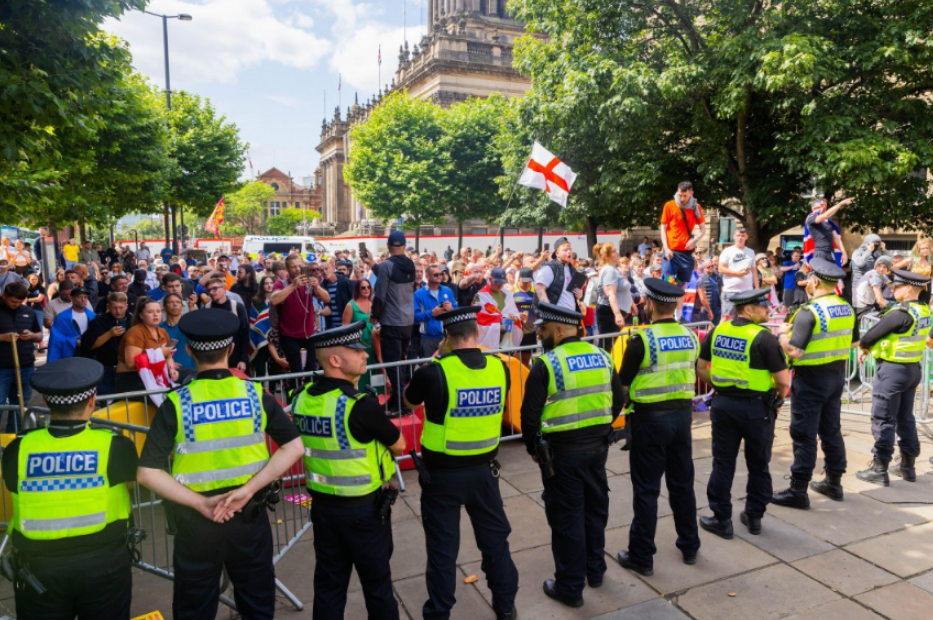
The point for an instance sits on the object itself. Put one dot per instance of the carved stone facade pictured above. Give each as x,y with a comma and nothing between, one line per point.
467,53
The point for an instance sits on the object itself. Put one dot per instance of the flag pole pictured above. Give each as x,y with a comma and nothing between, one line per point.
509,201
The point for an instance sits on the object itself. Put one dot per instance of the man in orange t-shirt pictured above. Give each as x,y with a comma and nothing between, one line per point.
678,221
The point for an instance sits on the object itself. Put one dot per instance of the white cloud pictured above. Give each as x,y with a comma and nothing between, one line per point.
285,100
224,38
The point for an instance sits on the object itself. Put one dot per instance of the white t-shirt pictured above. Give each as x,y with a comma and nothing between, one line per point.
737,259
545,276
81,319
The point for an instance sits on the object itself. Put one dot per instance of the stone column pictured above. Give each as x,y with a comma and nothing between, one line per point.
430,14
458,5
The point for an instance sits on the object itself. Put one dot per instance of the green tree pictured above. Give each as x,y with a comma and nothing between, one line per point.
245,210
759,104
399,166
285,222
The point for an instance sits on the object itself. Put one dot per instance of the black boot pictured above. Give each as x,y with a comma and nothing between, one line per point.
877,472
794,496
723,529
906,468
829,486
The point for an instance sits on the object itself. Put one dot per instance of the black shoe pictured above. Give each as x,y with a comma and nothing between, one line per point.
794,496
594,583
723,529
550,589
906,469
626,562
830,486
509,615
752,523
877,473
690,559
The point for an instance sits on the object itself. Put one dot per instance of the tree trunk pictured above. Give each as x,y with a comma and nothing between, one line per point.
459,235
592,226
501,237
165,223
540,238
418,238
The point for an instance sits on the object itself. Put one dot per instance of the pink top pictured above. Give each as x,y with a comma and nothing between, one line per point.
297,312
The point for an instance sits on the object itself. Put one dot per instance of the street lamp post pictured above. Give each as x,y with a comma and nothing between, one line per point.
168,106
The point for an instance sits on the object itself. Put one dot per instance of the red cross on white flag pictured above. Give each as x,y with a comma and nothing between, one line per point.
544,171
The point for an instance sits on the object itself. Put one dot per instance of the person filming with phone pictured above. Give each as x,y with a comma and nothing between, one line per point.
102,339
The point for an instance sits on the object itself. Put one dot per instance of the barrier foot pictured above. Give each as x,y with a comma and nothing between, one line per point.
299,606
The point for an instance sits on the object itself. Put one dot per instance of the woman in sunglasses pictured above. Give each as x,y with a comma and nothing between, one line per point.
358,309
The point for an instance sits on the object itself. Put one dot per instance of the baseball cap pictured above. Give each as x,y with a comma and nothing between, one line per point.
498,275
526,274
396,239
872,239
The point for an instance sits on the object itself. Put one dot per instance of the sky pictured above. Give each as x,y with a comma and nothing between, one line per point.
270,65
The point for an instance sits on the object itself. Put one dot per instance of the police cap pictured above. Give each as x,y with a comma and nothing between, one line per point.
902,276
550,313
758,297
663,291
826,270
458,315
67,381
210,329
350,336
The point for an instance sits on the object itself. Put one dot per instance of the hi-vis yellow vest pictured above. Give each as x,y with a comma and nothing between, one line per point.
221,438
579,391
908,347
731,363
63,486
831,340
668,369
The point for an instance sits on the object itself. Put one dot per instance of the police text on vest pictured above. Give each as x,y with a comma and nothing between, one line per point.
316,426
729,344
221,411
587,361
479,397
45,464
675,343
836,312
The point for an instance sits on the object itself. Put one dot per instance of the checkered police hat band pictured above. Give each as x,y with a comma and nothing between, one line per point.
70,399
340,341
210,345
664,299
551,317
902,280
460,318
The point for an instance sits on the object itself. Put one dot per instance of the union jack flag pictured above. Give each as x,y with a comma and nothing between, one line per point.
809,248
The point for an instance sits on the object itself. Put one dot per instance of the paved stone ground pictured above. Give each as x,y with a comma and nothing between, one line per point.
870,556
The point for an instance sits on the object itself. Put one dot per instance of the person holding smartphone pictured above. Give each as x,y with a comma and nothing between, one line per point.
101,341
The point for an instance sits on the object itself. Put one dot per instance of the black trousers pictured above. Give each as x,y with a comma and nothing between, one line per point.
476,489
892,409
87,589
606,324
734,420
815,407
346,537
661,445
576,501
292,348
395,341
203,549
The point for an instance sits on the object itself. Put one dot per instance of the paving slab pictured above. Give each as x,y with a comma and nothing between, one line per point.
838,610
703,469
621,512
844,572
901,492
617,462
840,523
620,589
412,593
899,601
903,553
716,559
770,593
782,540
658,609
924,581
524,481
529,528
409,557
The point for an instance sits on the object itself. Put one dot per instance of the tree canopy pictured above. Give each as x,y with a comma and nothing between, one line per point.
759,104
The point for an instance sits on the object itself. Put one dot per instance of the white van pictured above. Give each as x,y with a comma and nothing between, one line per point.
253,244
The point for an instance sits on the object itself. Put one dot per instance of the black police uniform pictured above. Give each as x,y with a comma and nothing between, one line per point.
661,446
893,390
736,415
815,410
204,549
471,482
576,497
85,576
348,532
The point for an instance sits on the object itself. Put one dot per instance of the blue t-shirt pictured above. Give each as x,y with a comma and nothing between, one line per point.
166,254
181,355
156,294
789,281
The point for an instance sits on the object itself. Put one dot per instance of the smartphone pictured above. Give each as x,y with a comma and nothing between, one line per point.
305,270
172,343
547,246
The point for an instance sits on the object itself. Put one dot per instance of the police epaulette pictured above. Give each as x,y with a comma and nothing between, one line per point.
352,392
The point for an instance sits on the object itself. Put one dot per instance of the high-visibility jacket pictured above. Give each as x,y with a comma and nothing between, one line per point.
221,438
476,400
335,462
907,347
63,489
579,390
730,366
831,340
668,368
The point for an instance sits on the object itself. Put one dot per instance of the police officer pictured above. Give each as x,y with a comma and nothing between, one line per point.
659,370
745,364
572,396
348,465
216,427
464,394
818,341
896,342
71,508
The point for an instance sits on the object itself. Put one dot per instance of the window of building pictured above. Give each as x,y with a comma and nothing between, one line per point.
476,230
297,205
726,229
275,186
274,208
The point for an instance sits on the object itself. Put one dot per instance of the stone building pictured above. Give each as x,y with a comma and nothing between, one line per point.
291,195
466,53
